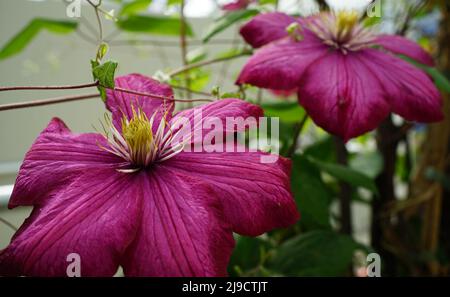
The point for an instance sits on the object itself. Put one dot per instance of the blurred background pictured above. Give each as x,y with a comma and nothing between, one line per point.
397,177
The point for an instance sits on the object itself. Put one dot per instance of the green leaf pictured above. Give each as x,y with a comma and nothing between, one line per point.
161,25
346,174
232,52
247,254
104,73
370,163
441,81
173,2
288,112
134,7
323,149
311,194
101,51
198,79
227,20
316,253
26,35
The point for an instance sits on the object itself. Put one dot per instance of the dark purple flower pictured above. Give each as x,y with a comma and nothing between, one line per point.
348,78
132,199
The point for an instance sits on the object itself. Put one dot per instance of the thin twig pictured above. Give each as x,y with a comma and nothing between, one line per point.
190,90
159,96
207,62
46,101
345,190
174,43
99,20
10,225
183,46
298,130
66,87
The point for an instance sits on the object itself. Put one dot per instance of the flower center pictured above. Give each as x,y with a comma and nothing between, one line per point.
137,143
138,135
341,30
345,23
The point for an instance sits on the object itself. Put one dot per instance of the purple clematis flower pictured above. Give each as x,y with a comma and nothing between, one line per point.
130,199
237,5
347,78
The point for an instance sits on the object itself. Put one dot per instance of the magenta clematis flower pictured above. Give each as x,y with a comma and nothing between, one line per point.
237,5
347,78
132,199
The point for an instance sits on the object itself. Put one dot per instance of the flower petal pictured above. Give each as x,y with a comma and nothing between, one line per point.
265,28
342,95
280,65
403,46
55,159
410,92
182,232
221,110
121,103
256,197
95,217
236,5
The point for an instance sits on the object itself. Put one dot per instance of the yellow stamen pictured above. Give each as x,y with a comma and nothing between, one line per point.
138,134
346,21
137,144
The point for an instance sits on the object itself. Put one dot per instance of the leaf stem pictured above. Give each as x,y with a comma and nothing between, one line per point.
345,190
7,223
298,130
207,62
183,46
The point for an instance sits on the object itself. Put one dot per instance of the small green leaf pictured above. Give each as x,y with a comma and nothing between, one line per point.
346,174
231,95
134,7
198,79
316,253
26,35
232,52
288,112
104,73
101,51
227,20
161,25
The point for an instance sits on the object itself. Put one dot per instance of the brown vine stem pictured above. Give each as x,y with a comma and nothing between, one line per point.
174,43
46,101
7,223
78,97
66,87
